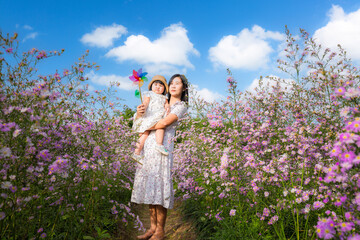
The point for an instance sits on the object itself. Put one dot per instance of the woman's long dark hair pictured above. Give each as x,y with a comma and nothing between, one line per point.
185,93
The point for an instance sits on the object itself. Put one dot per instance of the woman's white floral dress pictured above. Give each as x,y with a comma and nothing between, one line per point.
153,179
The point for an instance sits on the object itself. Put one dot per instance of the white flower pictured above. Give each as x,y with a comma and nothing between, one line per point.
6,185
16,132
24,110
27,199
12,177
5,152
285,192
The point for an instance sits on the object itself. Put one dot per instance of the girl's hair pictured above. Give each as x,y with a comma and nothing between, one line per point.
185,93
158,81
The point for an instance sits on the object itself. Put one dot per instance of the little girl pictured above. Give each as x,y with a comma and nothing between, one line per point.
156,104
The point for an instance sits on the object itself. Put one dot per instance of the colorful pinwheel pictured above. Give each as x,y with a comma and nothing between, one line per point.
138,78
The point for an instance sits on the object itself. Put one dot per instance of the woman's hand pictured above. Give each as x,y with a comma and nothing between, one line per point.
140,110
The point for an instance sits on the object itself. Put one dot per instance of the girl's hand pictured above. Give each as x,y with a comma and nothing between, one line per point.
140,110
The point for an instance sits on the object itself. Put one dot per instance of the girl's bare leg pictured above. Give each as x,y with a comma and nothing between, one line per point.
159,136
153,223
141,142
161,213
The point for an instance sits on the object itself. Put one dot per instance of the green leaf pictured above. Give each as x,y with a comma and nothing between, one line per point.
65,217
88,237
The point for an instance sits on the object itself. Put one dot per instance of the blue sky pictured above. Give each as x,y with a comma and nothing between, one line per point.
198,38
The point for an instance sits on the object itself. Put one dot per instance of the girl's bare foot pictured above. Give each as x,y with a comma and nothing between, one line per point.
146,235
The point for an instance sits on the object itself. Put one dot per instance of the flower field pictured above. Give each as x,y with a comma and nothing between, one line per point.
64,152
280,162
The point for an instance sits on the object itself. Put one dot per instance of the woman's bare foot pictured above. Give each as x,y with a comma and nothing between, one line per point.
146,235
158,235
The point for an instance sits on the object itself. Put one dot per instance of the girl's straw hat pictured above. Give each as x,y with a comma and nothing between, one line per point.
160,78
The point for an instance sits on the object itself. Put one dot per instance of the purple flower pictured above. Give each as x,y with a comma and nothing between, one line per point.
325,228
347,156
45,155
84,166
232,212
340,91
354,237
354,126
213,170
217,216
13,188
357,198
2,215
318,205
266,212
345,138
43,235
346,226
273,219
348,216
356,160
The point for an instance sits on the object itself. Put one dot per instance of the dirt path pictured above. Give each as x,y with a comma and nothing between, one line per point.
176,227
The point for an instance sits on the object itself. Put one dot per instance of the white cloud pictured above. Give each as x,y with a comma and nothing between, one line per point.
343,29
28,27
206,94
269,82
249,49
170,51
30,36
104,36
105,80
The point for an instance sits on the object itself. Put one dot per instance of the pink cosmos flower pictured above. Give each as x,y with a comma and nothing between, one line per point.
345,166
345,138
266,212
340,91
352,92
347,156
273,219
346,226
354,126
325,228
354,237
318,205
348,216
356,160
357,198
84,166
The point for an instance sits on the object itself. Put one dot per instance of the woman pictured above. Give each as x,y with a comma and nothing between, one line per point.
153,180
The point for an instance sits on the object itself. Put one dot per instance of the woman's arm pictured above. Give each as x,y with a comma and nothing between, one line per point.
165,122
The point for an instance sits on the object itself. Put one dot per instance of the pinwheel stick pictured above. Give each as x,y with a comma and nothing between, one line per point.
140,94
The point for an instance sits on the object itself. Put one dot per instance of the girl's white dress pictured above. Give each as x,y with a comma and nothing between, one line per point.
154,112
153,179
